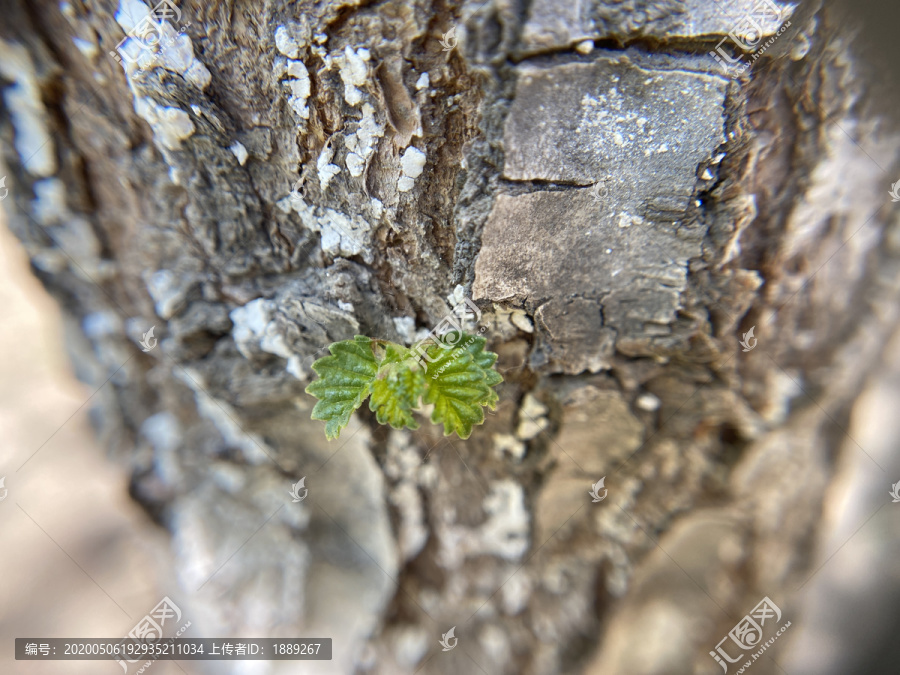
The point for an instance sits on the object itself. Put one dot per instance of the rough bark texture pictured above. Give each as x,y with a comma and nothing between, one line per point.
620,210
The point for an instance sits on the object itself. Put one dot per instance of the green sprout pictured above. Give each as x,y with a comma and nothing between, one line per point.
457,380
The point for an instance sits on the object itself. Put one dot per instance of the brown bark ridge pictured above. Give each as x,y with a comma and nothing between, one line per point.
279,176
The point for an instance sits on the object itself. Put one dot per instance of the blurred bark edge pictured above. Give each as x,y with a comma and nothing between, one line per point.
676,222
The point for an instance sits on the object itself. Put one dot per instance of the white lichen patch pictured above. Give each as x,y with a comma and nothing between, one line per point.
169,291
32,139
507,444
354,72
88,49
170,125
177,56
495,643
532,407
518,318
515,593
532,420
325,168
163,431
76,237
406,328
412,533
174,50
626,220
286,43
298,71
412,164
403,460
49,205
227,477
648,402
468,320
361,143
402,465
198,75
355,164
506,322
298,83
410,645
503,534
254,329
135,57
131,13
457,296
250,320
239,151
423,82
340,234
522,321
98,325
297,368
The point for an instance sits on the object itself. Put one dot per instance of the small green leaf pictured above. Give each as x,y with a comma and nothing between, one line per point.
457,388
485,361
475,345
345,381
458,381
394,353
396,392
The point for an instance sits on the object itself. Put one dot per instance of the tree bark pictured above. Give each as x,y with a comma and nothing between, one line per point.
279,177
